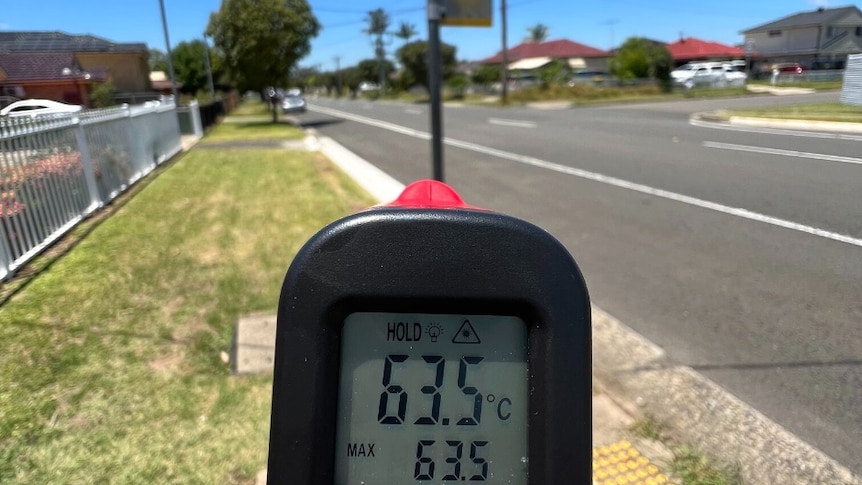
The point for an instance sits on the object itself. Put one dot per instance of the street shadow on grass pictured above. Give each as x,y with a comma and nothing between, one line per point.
318,122
256,125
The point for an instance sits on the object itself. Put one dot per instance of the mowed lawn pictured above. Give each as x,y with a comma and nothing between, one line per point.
811,111
112,367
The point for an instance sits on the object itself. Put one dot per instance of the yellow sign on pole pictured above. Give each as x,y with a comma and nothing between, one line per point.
466,13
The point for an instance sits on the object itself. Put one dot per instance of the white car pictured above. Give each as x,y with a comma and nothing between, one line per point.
293,104
712,74
34,108
735,75
367,87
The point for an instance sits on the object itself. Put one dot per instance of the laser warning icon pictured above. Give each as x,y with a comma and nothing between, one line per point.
466,334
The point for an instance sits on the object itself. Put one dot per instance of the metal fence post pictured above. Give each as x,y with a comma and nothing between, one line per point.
87,163
195,113
5,253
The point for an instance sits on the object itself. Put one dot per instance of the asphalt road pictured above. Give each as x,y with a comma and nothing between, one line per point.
738,252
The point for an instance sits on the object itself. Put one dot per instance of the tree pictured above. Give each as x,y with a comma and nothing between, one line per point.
262,40
640,58
158,61
537,33
351,77
487,74
369,69
553,72
190,65
102,95
414,57
406,31
458,84
378,23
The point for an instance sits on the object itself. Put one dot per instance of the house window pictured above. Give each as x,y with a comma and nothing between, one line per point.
774,33
858,31
830,32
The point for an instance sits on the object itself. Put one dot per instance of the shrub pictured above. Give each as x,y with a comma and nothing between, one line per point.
16,182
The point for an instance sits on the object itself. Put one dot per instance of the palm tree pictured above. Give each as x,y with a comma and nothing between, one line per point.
406,31
537,33
378,23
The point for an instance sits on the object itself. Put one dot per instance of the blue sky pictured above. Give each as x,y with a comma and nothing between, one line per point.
595,23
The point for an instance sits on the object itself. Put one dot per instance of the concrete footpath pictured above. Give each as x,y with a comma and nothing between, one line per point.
632,379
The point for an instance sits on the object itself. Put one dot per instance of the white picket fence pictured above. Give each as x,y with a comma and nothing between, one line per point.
55,171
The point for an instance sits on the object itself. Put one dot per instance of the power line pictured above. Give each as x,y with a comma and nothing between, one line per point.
355,11
362,21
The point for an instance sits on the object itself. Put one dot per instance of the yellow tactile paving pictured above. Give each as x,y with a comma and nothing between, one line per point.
622,464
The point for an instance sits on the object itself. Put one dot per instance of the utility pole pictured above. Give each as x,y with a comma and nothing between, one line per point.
337,76
435,12
209,69
381,69
610,23
504,70
168,46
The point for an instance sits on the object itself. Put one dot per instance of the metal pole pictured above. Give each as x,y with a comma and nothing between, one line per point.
381,72
170,62
435,11
504,70
209,69
337,77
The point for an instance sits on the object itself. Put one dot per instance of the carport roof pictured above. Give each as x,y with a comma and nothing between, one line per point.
529,63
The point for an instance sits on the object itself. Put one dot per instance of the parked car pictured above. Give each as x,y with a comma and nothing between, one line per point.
293,104
735,75
34,108
368,87
712,74
788,68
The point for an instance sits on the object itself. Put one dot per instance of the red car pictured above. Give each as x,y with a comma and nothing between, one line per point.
788,68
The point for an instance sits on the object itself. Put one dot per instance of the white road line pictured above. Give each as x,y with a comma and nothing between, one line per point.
597,177
517,123
774,131
778,151
413,111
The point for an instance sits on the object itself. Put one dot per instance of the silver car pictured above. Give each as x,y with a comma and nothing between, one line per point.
293,104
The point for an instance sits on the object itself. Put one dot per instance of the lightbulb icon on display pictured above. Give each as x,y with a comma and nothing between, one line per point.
434,330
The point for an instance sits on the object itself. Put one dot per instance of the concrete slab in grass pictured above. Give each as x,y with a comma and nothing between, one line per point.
254,344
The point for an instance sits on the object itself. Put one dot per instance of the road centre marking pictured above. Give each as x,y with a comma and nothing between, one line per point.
516,123
597,177
786,153
413,111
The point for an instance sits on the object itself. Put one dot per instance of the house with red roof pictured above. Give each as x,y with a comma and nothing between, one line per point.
690,49
533,55
65,67
47,75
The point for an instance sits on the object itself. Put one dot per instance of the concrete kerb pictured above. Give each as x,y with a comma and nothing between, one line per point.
720,117
645,381
638,377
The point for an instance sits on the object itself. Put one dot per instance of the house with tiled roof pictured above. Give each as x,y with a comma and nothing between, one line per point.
53,75
690,49
66,67
533,55
820,38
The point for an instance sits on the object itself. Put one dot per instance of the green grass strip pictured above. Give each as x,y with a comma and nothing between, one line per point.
111,369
